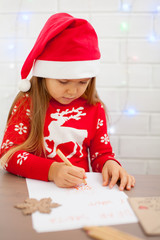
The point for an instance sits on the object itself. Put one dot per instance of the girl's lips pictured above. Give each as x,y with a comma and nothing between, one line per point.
68,99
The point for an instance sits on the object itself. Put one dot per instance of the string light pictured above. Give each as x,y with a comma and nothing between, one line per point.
24,16
158,8
11,46
134,58
11,65
111,130
130,112
125,7
124,26
152,38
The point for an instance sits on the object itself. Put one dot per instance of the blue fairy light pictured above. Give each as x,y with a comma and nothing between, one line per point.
111,130
152,38
158,8
11,46
126,7
24,16
130,112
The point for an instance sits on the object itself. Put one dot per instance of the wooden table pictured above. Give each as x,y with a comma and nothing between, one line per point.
13,225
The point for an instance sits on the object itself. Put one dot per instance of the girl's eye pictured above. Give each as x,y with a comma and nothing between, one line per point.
84,82
63,82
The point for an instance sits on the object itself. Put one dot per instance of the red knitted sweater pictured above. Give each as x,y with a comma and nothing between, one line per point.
78,129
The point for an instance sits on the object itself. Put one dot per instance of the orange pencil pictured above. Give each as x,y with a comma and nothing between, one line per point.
66,161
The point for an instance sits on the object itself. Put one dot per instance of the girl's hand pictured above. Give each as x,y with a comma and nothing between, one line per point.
66,176
112,170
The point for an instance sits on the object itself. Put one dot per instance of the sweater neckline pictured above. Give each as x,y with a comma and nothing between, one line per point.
78,100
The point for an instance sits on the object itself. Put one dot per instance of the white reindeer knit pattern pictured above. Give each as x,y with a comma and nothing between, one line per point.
63,134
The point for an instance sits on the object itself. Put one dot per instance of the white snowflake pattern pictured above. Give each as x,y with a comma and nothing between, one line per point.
105,139
100,123
28,112
14,109
94,156
22,157
20,128
7,144
26,95
5,166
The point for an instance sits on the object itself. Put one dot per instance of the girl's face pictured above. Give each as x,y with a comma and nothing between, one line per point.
66,90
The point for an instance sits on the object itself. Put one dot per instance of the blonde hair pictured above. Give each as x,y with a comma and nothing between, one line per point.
39,103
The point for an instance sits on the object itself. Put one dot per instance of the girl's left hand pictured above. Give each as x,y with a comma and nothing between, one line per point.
113,171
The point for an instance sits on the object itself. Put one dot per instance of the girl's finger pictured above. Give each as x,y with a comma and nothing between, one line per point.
114,179
129,183
133,181
123,182
77,172
68,184
73,179
105,176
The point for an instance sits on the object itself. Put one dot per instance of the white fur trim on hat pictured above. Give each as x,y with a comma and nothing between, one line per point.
66,70
24,85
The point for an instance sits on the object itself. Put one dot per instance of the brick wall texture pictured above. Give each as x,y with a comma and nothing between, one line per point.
129,81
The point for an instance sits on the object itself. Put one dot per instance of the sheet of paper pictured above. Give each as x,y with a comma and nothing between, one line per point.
86,205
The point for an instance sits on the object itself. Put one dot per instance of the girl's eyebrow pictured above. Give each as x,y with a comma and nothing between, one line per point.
84,80
80,80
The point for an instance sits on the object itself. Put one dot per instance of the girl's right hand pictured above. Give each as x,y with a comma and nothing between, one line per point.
66,176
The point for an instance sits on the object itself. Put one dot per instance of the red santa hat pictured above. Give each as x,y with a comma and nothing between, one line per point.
66,48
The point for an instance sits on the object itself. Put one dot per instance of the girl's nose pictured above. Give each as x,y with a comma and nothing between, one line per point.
72,91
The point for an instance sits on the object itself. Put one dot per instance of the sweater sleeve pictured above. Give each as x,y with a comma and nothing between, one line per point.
101,150
22,163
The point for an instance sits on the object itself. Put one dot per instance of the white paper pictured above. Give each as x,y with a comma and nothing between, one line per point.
87,205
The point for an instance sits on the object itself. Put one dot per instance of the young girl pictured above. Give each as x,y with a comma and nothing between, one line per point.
59,108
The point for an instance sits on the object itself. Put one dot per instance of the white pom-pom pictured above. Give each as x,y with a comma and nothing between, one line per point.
24,85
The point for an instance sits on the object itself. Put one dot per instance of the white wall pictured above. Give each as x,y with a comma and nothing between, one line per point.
129,82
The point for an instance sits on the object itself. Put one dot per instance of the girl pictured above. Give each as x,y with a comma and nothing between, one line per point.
59,108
